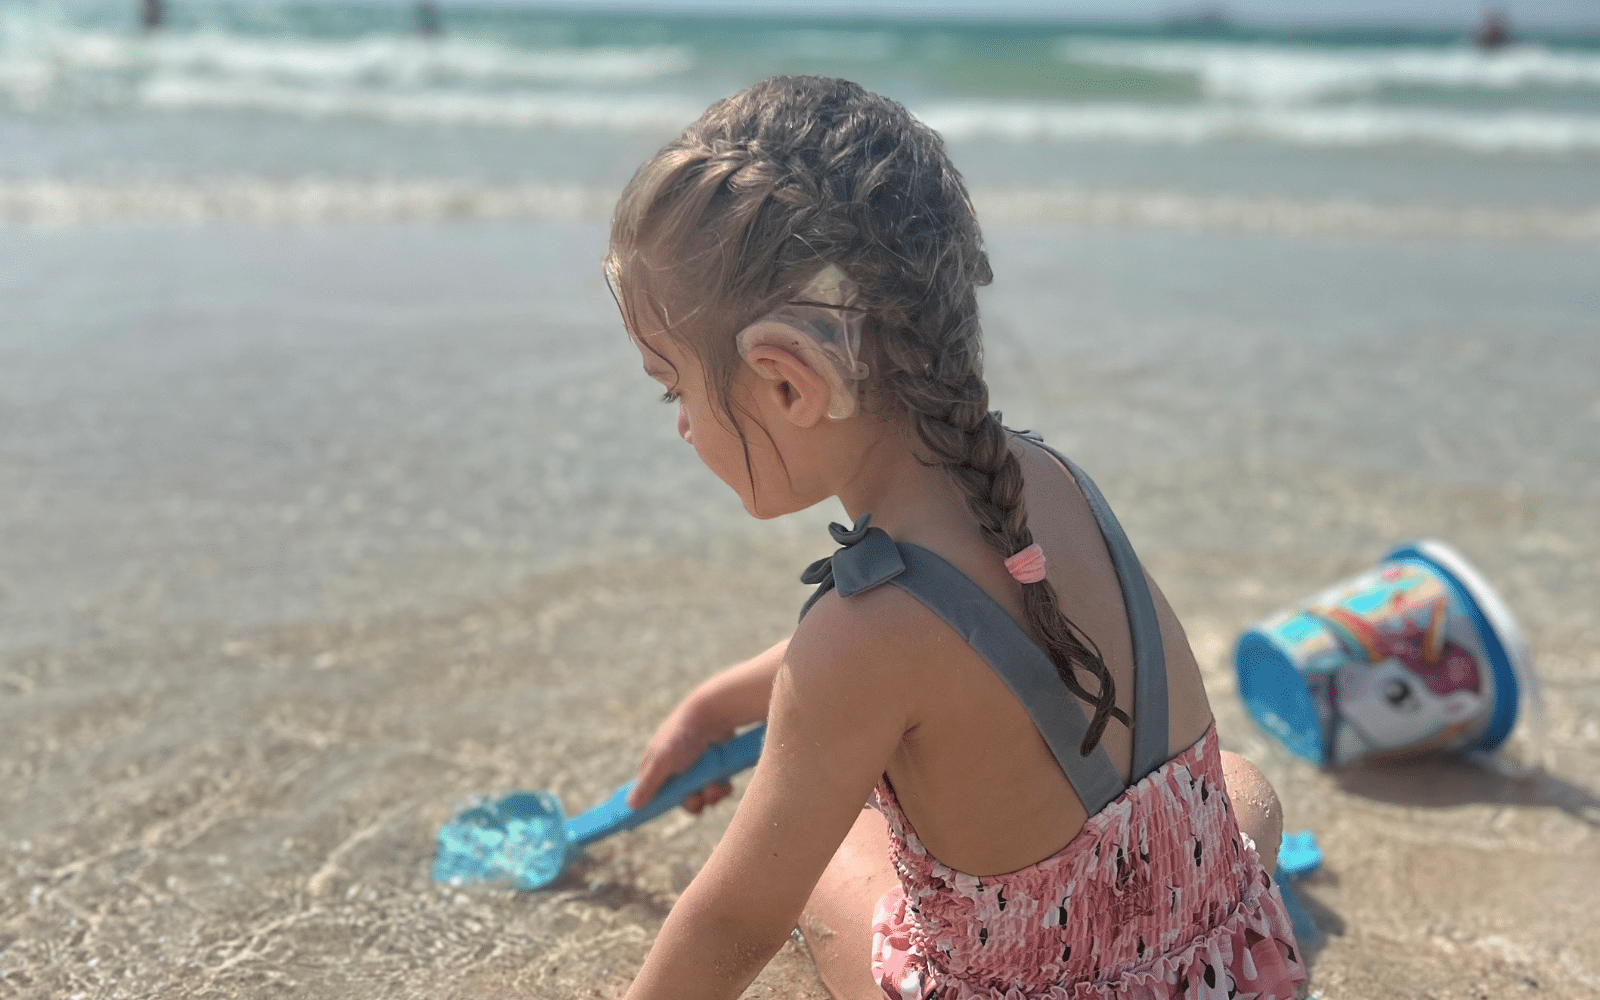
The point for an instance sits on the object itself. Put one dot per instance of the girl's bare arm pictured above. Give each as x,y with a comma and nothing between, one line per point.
838,712
739,695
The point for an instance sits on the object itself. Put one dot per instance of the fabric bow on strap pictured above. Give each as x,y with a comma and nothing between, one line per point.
867,557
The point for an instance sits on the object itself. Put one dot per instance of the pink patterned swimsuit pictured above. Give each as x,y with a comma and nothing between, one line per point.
1159,896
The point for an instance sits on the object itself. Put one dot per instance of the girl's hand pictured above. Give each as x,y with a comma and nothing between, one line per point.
711,714
677,744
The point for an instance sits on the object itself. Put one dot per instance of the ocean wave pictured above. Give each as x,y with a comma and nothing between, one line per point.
1260,92
49,202
1317,126
57,202
41,64
1282,215
629,112
664,112
1287,74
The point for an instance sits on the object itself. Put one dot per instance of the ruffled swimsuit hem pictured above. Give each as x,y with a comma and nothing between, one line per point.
1247,957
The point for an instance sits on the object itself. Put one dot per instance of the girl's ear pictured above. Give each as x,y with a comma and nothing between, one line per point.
792,386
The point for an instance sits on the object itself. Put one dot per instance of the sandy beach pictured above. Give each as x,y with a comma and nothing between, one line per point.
332,496
313,533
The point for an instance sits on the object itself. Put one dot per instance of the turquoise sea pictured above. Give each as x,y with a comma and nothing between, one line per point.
1169,200
259,94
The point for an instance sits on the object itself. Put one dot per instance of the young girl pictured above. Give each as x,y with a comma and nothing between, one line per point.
983,659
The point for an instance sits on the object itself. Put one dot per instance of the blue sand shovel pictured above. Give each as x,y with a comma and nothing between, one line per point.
524,840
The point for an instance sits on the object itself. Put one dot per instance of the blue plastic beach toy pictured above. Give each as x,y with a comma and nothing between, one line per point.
524,840
1418,654
1298,854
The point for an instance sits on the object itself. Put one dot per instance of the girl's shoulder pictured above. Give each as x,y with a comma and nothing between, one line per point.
866,636
872,607
877,634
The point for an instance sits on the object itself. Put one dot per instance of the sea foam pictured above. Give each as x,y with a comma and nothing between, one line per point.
44,64
1316,126
315,200
1288,74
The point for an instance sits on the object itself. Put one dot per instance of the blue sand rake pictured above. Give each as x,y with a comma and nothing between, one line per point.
524,840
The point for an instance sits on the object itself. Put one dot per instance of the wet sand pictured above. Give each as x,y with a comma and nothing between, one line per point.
308,535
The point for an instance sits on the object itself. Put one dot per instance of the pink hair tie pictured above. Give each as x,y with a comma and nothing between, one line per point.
1028,565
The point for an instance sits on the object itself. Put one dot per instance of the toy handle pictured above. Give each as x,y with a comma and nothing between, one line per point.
719,763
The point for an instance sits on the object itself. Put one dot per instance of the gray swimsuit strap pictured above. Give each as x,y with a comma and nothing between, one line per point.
871,558
1149,658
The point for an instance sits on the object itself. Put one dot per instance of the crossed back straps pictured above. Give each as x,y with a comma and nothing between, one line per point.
870,558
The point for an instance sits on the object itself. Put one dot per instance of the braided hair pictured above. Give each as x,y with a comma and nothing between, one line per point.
796,172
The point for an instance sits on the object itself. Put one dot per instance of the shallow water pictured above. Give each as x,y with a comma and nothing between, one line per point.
332,404
314,533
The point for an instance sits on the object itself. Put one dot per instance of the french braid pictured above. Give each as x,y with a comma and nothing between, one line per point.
955,425
741,210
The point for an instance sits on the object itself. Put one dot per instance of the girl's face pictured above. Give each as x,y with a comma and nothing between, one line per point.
702,423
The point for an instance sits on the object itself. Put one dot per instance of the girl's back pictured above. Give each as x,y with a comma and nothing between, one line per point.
974,776
1154,891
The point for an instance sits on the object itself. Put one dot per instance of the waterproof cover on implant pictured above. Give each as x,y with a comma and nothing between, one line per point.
822,326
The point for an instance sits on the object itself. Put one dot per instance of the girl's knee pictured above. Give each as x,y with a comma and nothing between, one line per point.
860,871
837,921
1255,806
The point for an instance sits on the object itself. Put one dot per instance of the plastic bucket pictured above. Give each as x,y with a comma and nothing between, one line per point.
1417,655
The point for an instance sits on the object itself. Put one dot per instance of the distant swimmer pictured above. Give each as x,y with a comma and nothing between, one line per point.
1495,32
152,14
427,19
